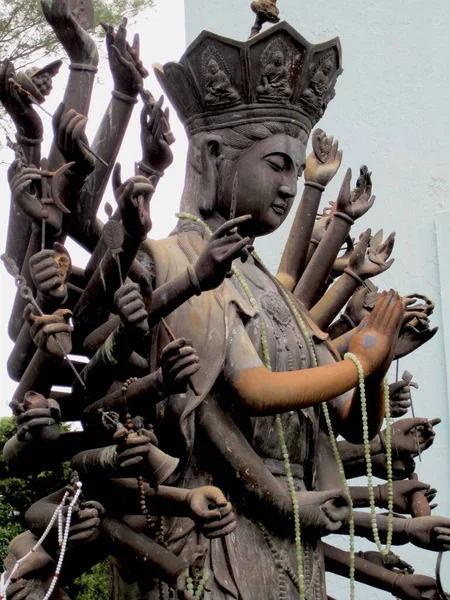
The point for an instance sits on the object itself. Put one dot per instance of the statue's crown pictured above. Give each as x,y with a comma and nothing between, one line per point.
274,76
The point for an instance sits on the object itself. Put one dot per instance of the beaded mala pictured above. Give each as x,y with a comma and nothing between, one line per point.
63,536
367,456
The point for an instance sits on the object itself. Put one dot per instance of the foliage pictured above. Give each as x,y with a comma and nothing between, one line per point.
17,495
25,36
93,584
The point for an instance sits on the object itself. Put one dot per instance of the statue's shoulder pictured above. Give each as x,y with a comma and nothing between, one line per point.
167,257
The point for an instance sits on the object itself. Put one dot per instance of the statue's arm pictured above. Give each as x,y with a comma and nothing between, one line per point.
321,166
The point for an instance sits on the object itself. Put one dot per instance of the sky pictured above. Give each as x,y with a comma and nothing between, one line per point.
162,37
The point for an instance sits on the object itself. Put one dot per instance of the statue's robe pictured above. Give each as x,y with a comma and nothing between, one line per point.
242,564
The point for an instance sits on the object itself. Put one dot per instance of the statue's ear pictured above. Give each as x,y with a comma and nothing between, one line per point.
211,156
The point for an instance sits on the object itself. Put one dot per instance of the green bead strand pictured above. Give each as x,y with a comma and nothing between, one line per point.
368,458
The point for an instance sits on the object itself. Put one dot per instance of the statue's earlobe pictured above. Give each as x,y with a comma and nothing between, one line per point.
211,156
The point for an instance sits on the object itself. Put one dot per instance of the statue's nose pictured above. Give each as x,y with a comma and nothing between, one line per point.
287,191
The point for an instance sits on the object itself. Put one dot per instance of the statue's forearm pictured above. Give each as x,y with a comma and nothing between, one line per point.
334,300
106,144
319,267
338,561
363,528
349,411
295,252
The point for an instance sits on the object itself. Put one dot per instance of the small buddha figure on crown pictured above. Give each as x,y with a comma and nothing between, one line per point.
275,79
218,86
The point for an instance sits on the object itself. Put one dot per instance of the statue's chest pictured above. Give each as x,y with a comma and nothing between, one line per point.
275,325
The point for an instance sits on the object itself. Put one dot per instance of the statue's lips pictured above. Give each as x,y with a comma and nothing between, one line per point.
279,208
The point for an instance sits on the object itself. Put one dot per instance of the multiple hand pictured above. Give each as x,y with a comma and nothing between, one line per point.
357,202
325,159
400,397
179,361
133,198
18,105
50,270
407,433
403,491
225,244
85,522
47,330
390,561
132,302
323,511
374,341
124,62
211,511
69,128
155,129
76,41
37,418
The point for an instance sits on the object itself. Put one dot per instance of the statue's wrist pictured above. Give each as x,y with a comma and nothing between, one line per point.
344,217
124,97
353,275
194,280
395,587
161,389
315,185
28,138
144,167
378,493
81,66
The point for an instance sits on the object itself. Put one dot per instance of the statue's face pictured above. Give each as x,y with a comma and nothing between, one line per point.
267,175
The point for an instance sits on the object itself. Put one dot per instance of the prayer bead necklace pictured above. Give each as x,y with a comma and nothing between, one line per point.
368,459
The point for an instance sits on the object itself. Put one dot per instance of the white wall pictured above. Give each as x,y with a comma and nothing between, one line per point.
391,111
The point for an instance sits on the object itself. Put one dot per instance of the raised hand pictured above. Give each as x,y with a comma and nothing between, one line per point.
24,194
357,202
323,511
132,302
126,67
211,511
369,257
18,105
156,136
133,198
69,128
403,491
374,341
404,438
76,41
225,245
85,524
50,271
47,330
324,161
179,361
37,418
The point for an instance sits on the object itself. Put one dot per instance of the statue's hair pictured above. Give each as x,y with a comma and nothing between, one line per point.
199,200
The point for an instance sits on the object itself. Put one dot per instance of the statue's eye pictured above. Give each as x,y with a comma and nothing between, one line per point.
276,162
